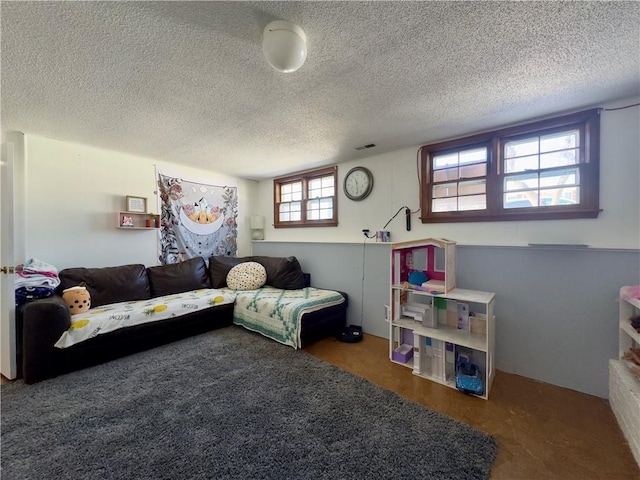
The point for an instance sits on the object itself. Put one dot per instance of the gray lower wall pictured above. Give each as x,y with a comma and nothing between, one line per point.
556,308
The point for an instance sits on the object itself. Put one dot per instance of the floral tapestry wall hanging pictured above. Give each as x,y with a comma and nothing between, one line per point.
197,220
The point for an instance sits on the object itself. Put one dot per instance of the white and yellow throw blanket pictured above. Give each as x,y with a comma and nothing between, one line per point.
108,318
277,313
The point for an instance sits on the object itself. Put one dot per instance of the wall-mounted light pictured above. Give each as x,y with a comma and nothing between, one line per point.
257,227
284,45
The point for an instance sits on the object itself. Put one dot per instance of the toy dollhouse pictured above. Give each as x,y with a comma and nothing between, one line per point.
434,327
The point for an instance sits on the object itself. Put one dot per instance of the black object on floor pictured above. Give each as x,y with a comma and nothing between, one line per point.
351,334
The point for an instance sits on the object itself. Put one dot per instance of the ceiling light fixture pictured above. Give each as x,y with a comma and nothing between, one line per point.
284,45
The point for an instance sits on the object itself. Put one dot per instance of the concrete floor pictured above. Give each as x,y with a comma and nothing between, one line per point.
543,431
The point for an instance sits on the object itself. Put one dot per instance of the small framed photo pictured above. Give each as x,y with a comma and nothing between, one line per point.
127,221
136,204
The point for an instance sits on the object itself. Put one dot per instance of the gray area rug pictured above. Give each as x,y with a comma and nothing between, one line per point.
229,404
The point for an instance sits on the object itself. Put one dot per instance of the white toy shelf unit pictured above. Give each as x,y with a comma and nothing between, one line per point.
433,324
624,373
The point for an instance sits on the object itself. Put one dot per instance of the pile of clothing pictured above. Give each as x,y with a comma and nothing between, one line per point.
35,279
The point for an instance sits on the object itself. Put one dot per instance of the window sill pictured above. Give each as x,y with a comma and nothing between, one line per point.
452,217
305,225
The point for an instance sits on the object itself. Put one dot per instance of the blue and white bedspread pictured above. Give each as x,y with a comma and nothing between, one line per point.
277,313
108,318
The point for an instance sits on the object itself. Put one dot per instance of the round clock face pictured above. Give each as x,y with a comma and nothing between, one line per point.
358,183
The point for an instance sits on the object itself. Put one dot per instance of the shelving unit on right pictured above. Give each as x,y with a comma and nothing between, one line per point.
624,386
431,328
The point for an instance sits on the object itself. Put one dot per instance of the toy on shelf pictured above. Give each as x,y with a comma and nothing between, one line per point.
430,259
422,288
630,291
633,356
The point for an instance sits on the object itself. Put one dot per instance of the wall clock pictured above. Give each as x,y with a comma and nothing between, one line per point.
358,183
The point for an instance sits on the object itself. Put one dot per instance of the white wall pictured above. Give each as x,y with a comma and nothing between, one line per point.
395,185
74,192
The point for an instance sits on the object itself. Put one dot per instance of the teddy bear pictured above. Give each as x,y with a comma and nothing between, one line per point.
78,299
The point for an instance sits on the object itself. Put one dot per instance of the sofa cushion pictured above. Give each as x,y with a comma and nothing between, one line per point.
178,277
246,276
282,272
109,284
219,267
100,321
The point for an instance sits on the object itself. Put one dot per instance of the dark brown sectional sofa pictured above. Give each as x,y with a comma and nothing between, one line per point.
42,322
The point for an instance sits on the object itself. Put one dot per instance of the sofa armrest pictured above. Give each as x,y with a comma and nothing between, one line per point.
307,283
43,322
345,295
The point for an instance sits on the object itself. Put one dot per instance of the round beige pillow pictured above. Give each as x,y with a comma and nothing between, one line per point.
246,276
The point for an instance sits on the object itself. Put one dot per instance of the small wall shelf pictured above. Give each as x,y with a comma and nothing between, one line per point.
135,221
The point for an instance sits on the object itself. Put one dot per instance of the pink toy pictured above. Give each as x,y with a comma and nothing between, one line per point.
632,291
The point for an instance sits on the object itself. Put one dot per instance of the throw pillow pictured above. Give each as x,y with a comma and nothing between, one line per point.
246,276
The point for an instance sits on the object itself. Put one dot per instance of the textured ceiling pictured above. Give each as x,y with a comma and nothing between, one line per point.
186,82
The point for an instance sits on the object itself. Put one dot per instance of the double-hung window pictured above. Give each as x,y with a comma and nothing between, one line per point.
543,170
306,199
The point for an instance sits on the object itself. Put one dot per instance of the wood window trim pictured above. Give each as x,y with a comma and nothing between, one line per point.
589,123
304,178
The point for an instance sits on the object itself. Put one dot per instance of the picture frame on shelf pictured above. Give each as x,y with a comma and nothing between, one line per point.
136,204
127,221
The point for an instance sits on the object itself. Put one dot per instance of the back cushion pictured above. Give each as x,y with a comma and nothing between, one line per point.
178,277
219,268
282,272
109,284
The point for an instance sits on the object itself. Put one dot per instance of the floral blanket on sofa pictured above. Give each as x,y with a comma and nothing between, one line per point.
277,313
108,318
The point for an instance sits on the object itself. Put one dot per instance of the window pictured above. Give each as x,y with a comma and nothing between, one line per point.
306,199
538,171
460,180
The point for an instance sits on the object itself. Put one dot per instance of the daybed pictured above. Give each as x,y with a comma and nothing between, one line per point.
274,309
154,305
